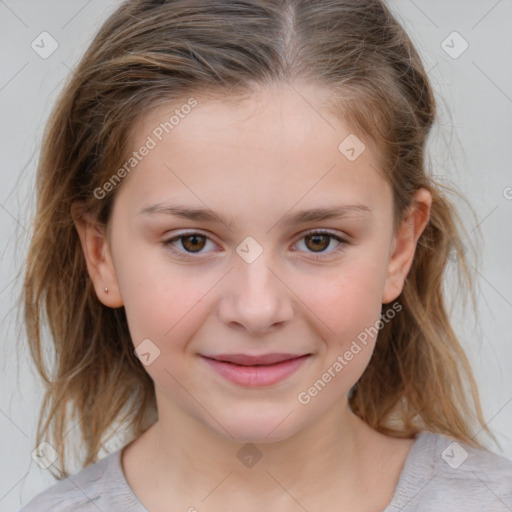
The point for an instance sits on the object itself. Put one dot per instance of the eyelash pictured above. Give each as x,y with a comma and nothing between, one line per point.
342,243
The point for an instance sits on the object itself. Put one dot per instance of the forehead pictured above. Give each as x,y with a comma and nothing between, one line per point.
279,144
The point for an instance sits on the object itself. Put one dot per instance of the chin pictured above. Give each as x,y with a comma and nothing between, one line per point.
256,427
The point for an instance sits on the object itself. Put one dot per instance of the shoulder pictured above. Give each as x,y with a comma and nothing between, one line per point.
96,487
441,473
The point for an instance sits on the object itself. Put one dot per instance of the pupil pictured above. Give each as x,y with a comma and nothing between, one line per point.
194,244
317,241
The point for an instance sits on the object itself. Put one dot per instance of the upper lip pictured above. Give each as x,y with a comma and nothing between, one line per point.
248,360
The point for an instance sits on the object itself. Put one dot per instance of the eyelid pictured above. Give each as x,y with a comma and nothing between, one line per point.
167,242
342,239
322,231
336,235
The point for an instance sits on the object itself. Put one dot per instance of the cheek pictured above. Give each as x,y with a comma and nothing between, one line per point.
161,300
165,305
347,307
347,300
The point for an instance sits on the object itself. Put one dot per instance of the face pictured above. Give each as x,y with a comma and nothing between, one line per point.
255,278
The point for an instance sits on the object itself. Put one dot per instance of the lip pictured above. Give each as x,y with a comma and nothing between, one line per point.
257,371
249,360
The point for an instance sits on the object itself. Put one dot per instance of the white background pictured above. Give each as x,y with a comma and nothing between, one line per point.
471,147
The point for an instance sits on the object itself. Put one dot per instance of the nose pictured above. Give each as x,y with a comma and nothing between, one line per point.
256,298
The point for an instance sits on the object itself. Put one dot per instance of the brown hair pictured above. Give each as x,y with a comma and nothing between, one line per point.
152,52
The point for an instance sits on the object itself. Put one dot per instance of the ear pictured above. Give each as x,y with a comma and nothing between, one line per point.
96,249
404,244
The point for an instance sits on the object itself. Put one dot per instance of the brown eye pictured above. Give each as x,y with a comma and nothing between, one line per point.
193,243
188,243
318,242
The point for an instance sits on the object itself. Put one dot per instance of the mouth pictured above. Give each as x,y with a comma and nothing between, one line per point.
249,360
255,371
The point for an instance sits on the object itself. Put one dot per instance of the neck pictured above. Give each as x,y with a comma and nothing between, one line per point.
333,452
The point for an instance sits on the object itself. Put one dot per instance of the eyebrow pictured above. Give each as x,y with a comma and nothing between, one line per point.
301,217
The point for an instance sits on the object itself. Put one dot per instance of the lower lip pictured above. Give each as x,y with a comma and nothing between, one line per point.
256,376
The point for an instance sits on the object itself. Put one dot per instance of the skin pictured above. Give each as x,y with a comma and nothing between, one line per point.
251,163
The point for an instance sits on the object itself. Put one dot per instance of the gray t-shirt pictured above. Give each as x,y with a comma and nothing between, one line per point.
439,475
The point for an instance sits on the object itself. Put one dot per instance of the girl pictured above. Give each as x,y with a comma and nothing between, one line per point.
240,256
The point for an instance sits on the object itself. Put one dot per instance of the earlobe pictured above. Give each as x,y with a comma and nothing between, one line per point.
404,244
96,250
